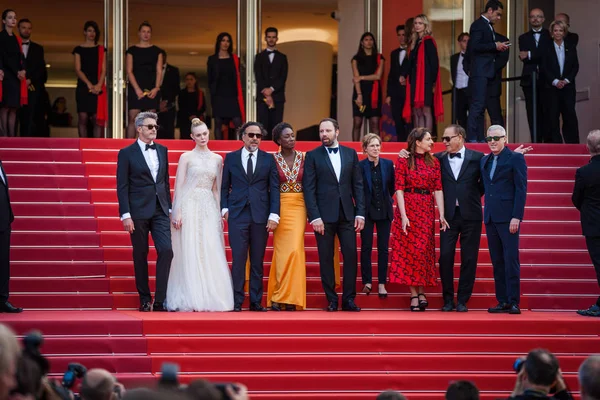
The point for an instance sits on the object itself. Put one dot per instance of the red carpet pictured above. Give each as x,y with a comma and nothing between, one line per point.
70,253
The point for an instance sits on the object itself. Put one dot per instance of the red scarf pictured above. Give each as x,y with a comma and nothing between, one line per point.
438,103
236,61
375,90
24,94
102,106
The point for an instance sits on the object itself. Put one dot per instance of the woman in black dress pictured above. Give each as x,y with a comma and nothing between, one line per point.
423,76
91,90
191,105
144,71
12,64
367,67
225,85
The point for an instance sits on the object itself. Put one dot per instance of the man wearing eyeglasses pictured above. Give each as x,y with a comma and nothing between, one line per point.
250,205
145,206
504,175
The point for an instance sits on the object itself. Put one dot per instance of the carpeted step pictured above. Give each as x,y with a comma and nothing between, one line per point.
76,254
71,224
43,168
42,269
64,301
48,182
50,195
94,345
53,209
113,364
66,239
35,155
60,285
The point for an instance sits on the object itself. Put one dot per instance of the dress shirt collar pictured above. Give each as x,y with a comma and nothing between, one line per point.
245,153
143,145
271,50
462,153
536,31
484,17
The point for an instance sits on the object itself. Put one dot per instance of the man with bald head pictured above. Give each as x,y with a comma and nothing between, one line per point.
538,375
589,378
572,38
99,384
531,49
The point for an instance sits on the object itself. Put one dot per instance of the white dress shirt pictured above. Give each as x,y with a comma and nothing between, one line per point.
456,164
560,55
536,36
2,176
25,47
151,157
245,155
462,79
401,55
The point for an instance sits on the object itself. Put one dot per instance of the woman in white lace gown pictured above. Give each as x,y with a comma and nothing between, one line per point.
200,279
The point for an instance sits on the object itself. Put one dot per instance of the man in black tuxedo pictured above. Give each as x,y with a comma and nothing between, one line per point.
6,219
250,205
270,71
494,89
460,81
572,38
335,203
144,195
463,188
531,48
504,175
482,49
396,84
31,116
169,89
586,197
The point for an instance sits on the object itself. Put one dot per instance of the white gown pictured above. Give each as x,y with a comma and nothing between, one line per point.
200,279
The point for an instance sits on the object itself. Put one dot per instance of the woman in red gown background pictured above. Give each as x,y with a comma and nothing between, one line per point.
418,182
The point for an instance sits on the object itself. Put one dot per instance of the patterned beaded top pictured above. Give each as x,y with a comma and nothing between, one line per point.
290,180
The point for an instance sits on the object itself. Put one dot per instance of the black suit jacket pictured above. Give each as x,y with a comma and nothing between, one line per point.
394,89
527,43
136,189
387,178
269,74
35,66
495,85
454,67
586,196
322,191
6,214
467,189
550,69
481,50
572,38
261,193
170,85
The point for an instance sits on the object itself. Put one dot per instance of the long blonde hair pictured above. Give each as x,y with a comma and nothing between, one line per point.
427,31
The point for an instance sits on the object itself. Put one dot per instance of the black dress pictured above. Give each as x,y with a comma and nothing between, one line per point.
367,65
431,70
144,70
222,80
86,101
188,106
12,62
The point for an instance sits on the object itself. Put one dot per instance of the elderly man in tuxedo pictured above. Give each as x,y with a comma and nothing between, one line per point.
586,197
504,175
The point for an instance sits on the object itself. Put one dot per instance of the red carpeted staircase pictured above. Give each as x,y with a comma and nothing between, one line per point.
69,252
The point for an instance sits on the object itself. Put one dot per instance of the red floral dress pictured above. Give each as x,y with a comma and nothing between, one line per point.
412,255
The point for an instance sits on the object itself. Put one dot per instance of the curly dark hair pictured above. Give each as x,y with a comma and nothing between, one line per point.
242,129
278,129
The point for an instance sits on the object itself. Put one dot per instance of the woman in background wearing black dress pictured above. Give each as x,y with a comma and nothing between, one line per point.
191,105
12,67
367,67
225,85
423,77
144,71
90,67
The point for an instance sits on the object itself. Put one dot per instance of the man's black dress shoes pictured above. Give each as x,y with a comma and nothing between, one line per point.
146,307
6,307
448,306
257,307
332,306
237,308
350,306
514,309
159,307
461,308
499,309
593,311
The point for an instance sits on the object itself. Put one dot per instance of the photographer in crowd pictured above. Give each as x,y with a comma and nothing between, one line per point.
589,378
539,378
9,355
462,390
99,384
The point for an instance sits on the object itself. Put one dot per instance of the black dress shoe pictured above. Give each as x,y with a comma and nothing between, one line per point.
257,307
237,309
448,306
290,307
145,307
461,308
275,307
159,307
350,306
514,309
499,309
593,311
9,308
333,306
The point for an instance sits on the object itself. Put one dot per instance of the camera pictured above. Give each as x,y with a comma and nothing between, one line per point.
518,365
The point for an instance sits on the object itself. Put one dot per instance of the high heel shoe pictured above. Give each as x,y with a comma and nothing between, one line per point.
423,303
382,295
367,289
415,308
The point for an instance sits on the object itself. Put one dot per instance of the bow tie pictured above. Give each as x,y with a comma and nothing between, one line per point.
151,146
25,44
452,155
333,150
536,33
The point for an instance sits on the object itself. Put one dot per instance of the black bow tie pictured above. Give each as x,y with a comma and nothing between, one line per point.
25,43
151,146
536,33
333,150
452,155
